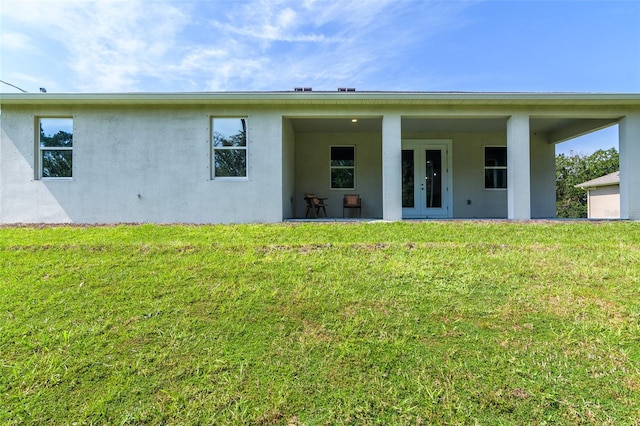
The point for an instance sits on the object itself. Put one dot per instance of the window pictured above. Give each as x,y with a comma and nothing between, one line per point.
229,147
408,178
343,167
495,167
55,148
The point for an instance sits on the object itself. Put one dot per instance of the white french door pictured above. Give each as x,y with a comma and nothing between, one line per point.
426,179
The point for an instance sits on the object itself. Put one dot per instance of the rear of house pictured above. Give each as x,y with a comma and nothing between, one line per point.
252,157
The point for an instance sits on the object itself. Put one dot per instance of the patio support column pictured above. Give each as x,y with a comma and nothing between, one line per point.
629,128
392,167
518,168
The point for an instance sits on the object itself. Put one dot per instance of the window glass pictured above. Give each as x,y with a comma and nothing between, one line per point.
495,178
229,144
230,162
433,178
342,156
55,145
343,170
229,132
495,167
407,178
342,178
495,156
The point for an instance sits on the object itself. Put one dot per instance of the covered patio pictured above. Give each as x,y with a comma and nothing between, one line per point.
392,152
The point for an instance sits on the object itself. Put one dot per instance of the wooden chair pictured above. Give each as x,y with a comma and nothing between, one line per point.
315,204
352,201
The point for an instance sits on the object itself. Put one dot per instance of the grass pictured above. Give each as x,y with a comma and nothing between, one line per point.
386,323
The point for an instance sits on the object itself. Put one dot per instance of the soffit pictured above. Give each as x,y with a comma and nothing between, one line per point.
336,125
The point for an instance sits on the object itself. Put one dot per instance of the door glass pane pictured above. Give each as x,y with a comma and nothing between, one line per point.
433,178
407,178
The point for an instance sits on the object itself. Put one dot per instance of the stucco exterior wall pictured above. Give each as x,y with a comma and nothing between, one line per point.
543,178
141,164
468,178
468,174
604,202
288,169
471,199
313,155
147,157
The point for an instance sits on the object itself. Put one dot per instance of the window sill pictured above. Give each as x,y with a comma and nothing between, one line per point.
230,179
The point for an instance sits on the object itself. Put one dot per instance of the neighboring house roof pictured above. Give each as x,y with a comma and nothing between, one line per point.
606,180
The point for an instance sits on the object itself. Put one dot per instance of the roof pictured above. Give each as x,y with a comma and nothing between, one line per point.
606,180
327,97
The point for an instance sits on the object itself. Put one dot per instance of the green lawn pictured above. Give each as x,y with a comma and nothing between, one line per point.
369,323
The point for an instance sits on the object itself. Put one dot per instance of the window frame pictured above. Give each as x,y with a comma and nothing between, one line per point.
39,149
332,168
213,148
486,167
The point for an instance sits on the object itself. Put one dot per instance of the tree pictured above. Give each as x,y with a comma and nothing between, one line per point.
230,153
56,162
576,168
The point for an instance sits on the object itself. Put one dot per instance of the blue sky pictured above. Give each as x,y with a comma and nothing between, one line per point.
185,45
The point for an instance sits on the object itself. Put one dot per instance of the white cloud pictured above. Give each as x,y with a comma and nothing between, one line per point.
149,45
15,41
109,45
330,44
113,45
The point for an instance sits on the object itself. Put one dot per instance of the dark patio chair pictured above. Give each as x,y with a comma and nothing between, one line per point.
315,204
352,201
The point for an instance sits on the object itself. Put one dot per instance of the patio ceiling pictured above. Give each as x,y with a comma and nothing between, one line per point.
557,129
337,125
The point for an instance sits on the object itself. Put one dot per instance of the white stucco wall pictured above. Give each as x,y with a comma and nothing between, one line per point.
141,165
150,163
629,129
313,156
468,174
288,169
543,178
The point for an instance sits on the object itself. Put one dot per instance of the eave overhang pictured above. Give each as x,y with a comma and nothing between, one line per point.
329,98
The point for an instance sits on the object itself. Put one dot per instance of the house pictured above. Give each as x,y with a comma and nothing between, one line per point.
252,156
603,196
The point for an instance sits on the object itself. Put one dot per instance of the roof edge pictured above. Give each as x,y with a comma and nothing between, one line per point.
322,97
607,180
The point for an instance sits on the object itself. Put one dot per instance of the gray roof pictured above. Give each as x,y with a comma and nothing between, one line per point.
606,180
